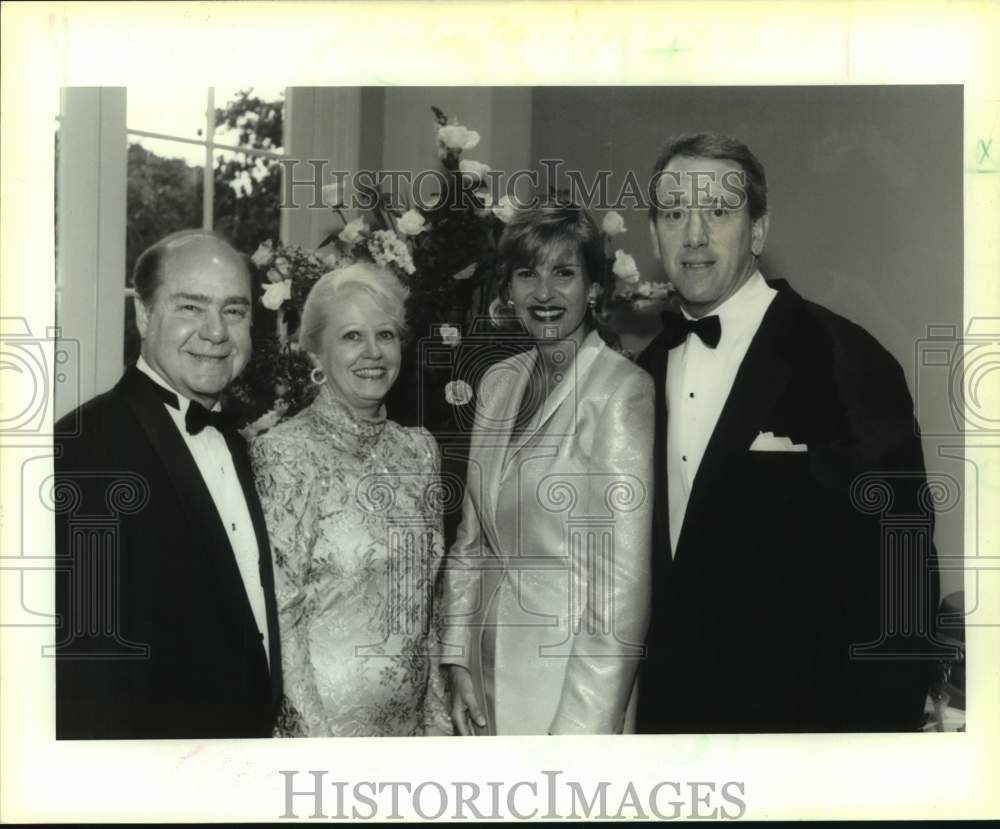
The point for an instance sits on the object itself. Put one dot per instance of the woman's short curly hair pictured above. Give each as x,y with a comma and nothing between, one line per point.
383,286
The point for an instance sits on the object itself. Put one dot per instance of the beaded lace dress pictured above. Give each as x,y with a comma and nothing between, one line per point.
353,513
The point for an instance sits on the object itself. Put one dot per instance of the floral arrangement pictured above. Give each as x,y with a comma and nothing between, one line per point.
444,253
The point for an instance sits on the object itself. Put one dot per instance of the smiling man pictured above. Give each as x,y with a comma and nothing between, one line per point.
166,619
779,605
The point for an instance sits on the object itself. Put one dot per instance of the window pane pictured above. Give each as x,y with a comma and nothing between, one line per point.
180,111
247,193
250,117
164,193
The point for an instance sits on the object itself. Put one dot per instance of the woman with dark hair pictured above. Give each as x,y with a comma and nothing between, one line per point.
355,524
547,583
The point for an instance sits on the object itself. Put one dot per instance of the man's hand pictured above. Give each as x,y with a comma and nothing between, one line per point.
465,708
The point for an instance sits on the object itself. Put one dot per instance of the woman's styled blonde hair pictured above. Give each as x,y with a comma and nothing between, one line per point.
383,286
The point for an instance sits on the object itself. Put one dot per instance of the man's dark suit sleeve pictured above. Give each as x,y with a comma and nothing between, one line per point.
156,637
787,560
890,590
95,692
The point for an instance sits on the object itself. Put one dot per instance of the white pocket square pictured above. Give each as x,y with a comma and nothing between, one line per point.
767,442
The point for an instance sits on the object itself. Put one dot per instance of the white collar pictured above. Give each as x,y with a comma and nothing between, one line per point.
741,303
153,375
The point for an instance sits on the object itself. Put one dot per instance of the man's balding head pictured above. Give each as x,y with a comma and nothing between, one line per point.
193,310
185,248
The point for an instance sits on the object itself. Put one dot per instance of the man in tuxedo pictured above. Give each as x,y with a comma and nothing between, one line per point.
783,601
167,624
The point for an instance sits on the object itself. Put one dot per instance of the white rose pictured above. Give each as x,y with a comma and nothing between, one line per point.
504,209
451,335
263,254
475,170
613,224
331,195
353,231
331,260
458,392
625,268
411,223
275,293
457,137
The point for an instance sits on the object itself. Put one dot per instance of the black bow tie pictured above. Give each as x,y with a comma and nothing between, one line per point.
198,417
676,328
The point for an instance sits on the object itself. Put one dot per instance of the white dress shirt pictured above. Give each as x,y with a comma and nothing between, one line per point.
215,463
699,380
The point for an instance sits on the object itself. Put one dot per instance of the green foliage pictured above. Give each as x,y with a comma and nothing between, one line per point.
277,377
165,195
260,123
248,187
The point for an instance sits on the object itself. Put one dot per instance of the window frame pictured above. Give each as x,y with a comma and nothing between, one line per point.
318,122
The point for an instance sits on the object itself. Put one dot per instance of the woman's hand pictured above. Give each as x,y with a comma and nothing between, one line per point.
465,708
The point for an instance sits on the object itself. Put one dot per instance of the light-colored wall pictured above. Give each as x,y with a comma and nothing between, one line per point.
501,116
865,197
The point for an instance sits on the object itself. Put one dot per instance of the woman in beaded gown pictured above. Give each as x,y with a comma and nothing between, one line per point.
351,505
547,583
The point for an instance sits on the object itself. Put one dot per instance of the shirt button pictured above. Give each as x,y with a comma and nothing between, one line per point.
691,394
684,457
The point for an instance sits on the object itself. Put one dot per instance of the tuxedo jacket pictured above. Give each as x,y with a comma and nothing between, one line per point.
802,593
155,634
547,584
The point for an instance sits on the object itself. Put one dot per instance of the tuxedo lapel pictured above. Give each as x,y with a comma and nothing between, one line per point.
760,380
237,448
655,359
193,494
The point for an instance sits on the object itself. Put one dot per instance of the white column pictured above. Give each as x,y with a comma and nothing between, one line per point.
90,273
323,123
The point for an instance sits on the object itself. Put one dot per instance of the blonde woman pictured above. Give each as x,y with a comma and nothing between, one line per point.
350,507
